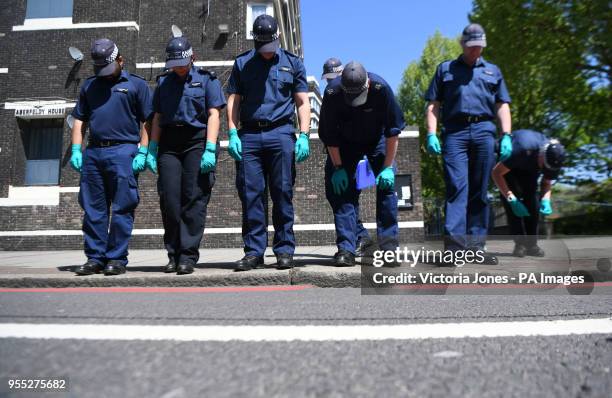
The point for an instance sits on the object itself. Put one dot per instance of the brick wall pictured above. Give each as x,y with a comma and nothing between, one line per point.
39,65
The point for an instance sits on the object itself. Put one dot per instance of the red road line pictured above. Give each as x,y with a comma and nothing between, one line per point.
224,289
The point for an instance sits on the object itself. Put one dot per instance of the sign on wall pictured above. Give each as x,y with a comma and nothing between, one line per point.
40,112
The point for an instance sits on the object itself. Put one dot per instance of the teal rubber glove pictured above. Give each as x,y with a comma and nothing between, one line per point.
76,159
209,160
433,144
152,157
339,181
140,160
505,147
386,179
302,148
546,207
518,208
235,146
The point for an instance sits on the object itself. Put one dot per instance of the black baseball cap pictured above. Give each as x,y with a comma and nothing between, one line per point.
554,156
178,52
265,34
332,68
474,35
104,53
354,84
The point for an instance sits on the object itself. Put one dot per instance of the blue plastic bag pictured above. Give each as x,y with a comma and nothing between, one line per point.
364,176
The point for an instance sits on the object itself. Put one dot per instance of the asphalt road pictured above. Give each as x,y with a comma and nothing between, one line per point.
512,366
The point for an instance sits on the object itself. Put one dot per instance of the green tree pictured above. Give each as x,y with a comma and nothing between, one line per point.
557,60
411,98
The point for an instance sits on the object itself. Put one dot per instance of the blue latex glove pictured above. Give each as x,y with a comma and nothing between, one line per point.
339,181
152,157
140,160
302,149
76,159
207,164
546,207
433,144
518,208
235,146
386,179
505,147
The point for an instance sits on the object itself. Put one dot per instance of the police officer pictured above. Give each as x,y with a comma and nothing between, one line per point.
360,117
332,68
187,103
533,155
468,93
113,103
265,86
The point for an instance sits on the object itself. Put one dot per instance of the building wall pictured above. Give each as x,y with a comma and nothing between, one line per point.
38,67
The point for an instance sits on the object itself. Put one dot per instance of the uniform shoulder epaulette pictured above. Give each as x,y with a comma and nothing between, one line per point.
164,73
290,53
138,76
210,73
244,53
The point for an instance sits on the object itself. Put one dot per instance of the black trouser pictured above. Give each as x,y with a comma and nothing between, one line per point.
184,192
524,185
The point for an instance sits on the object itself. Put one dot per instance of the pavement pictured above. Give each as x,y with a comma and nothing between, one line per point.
270,333
30,269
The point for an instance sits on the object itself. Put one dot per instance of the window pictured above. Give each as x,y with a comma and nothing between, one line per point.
49,9
253,11
43,150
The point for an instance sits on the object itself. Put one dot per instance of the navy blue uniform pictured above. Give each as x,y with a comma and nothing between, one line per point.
522,180
267,108
184,191
113,111
468,97
358,132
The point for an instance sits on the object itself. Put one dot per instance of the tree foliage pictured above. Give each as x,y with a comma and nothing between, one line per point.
556,58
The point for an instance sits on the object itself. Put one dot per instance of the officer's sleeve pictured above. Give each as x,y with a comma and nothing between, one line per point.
145,105
394,123
214,94
157,100
81,111
502,91
300,83
329,132
234,85
434,92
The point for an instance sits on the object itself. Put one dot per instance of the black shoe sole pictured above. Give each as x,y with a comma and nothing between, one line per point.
92,272
185,272
114,273
343,264
84,273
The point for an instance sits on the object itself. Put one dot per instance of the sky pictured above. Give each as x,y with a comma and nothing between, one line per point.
384,35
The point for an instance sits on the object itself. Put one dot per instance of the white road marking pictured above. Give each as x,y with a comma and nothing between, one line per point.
307,332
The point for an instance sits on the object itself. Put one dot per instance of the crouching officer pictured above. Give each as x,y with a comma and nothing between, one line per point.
469,93
360,117
187,103
114,103
332,68
265,86
533,155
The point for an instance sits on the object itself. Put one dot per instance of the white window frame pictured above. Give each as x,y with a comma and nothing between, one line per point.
36,23
250,19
